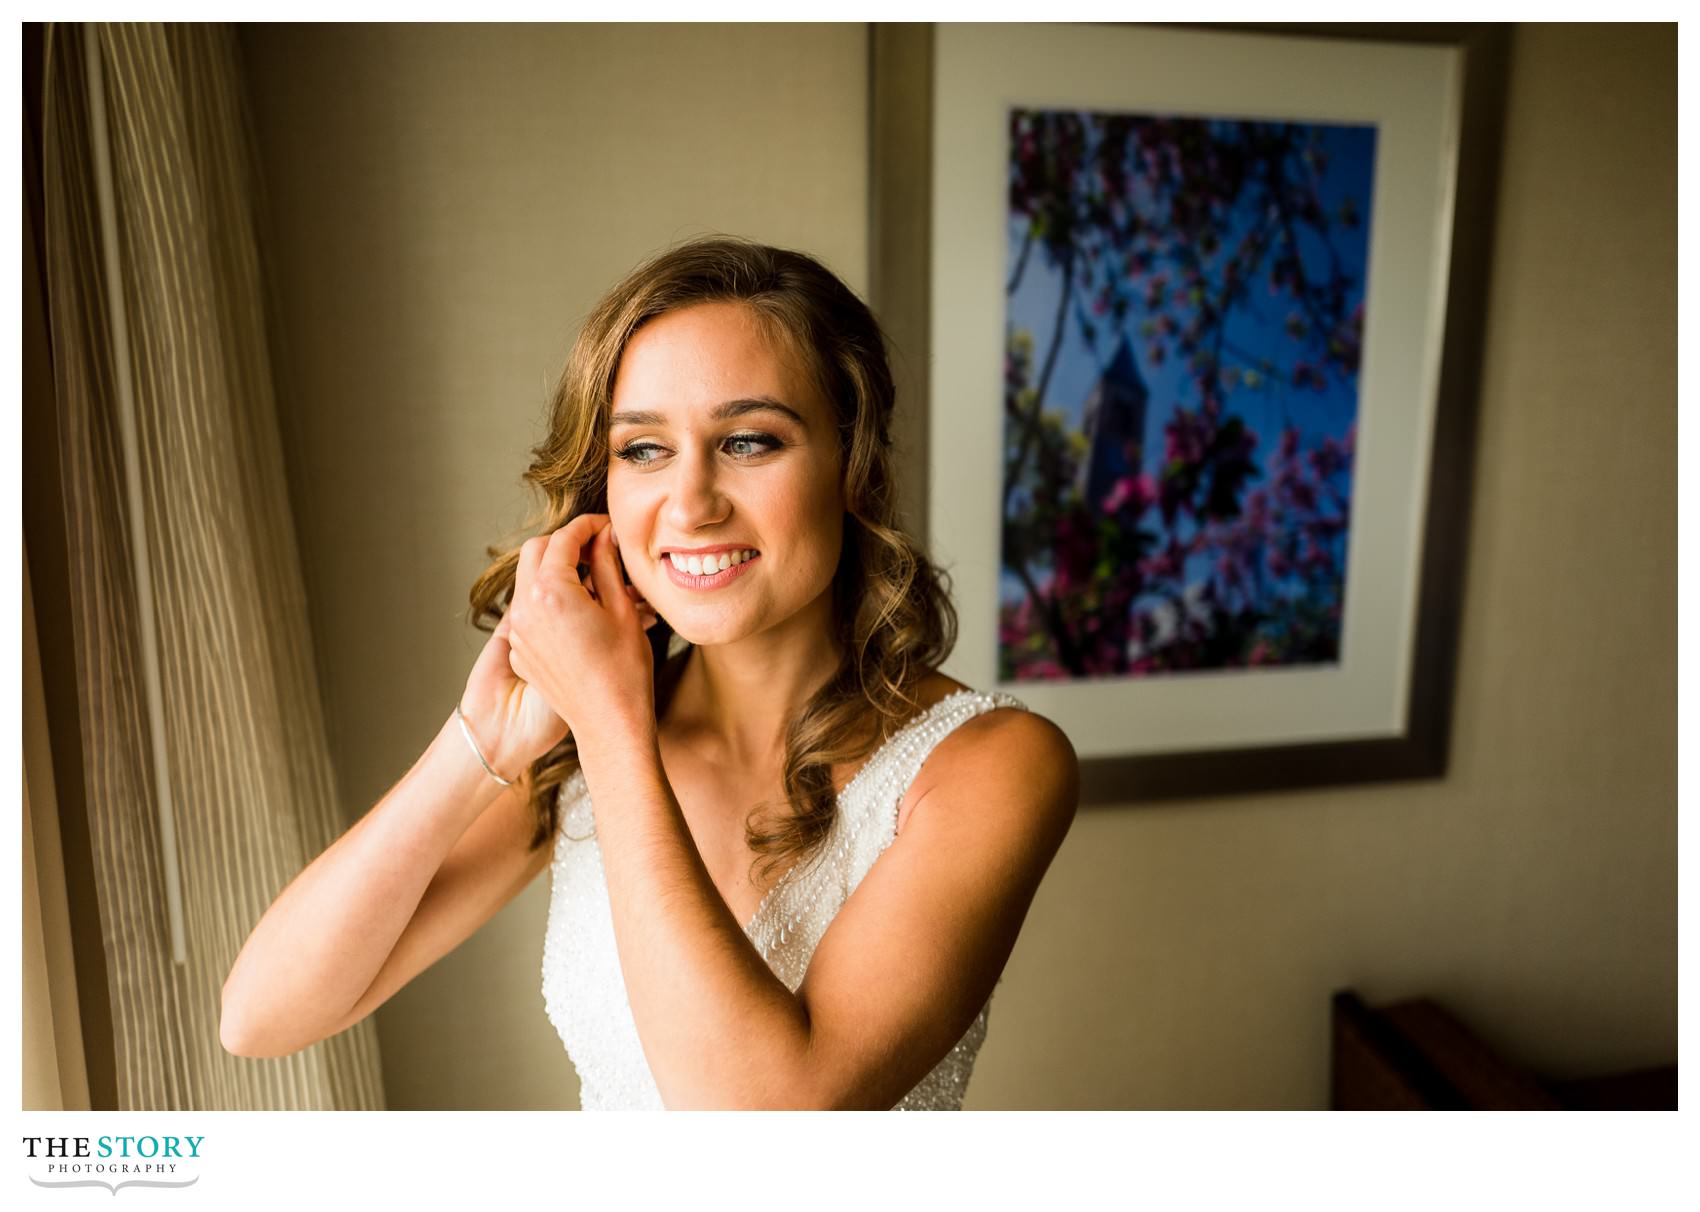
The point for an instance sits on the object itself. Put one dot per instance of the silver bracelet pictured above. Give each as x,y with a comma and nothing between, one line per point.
467,731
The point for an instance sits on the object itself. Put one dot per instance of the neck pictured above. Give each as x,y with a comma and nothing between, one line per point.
738,699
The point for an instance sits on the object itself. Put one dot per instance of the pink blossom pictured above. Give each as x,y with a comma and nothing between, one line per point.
1135,491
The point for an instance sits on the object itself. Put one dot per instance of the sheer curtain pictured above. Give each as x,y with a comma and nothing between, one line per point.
209,784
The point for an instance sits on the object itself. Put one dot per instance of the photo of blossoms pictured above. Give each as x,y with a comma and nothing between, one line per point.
1185,312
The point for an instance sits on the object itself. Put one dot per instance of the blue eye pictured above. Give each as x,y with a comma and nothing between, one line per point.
761,442
633,452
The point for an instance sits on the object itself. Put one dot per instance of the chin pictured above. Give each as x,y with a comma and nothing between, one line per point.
703,632
705,626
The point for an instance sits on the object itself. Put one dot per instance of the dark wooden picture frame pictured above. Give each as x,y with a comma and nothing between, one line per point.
902,71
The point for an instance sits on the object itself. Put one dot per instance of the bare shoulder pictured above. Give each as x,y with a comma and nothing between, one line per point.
1006,756
1006,746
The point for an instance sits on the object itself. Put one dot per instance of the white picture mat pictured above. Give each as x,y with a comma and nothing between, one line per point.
1412,96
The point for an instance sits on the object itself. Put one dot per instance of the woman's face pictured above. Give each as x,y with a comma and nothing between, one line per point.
722,449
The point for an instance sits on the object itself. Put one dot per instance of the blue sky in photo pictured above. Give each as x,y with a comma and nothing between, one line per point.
1255,327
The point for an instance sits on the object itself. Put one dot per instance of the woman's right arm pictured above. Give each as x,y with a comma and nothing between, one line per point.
434,860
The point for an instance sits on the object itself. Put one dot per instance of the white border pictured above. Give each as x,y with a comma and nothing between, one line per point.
705,1160
1412,94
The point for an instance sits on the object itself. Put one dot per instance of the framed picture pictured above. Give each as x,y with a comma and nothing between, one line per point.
1196,317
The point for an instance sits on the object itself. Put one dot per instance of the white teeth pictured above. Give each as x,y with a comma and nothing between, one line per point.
709,565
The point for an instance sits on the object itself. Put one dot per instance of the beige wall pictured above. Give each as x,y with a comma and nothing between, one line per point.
448,204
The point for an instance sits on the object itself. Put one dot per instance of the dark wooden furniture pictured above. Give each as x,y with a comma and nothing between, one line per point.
1415,1056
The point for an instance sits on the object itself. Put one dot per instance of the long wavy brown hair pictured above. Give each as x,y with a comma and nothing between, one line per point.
891,605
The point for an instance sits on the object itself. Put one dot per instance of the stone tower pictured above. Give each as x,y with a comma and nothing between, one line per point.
1114,426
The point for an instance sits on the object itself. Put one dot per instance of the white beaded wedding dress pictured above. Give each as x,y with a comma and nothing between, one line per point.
585,994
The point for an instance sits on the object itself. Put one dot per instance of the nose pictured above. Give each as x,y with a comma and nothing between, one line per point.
693,498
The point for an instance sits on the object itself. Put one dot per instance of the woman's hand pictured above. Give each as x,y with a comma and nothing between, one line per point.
513,724
512,718
579,642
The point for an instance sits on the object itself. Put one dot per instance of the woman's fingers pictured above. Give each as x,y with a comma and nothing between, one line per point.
566,547
525,572
587,539
493,657
498,645
605,573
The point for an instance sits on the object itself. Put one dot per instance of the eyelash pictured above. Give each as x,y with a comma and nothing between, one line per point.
631,451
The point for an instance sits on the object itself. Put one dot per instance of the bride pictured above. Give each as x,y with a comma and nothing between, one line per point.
789,858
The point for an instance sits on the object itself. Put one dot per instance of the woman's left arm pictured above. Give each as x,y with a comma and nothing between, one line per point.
899,974
915,952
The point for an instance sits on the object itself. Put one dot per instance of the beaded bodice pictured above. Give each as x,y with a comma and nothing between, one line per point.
585,995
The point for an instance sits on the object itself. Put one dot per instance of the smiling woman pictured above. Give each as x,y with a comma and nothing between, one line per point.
718,660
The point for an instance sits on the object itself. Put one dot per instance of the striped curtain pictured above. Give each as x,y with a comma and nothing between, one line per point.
209,783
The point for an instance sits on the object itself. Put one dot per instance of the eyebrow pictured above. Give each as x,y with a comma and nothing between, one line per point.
720,412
